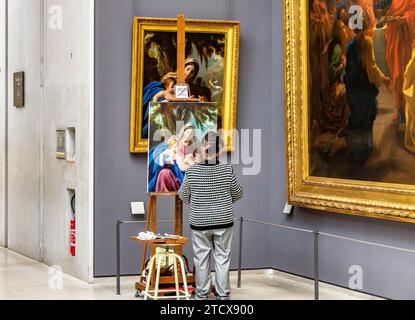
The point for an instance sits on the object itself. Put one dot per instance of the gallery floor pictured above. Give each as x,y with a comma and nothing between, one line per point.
23,278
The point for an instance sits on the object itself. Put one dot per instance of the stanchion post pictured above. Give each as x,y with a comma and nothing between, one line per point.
117,241
241,224
316,266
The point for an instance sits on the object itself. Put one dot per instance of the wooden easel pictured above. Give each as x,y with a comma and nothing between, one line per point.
151,223
152,219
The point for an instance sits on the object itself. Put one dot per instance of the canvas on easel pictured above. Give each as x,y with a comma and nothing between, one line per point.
176,133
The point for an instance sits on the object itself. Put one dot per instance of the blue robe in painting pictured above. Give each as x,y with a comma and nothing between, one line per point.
149,92
154,168
362,100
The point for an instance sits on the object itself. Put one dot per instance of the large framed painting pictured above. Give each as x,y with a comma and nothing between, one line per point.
350,106
212,61
178,131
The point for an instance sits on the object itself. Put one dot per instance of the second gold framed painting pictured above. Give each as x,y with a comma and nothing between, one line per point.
350,106
212,62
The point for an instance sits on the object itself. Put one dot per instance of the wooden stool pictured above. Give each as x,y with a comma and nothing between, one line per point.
157,259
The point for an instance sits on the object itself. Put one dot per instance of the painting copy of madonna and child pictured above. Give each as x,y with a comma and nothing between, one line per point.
176,133
362,90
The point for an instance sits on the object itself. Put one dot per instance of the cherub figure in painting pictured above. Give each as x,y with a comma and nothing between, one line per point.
168,81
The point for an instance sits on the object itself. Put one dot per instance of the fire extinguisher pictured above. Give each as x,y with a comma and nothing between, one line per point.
73,228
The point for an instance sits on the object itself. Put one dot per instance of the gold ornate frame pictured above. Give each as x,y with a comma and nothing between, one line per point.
370,199
231,30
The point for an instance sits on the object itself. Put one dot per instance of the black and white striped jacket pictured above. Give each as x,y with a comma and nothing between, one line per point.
211,190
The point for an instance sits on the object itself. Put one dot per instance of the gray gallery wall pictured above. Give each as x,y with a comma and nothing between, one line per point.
121,177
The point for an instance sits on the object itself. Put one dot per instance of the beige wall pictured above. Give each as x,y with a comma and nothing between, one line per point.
24,219
67,103
2,122
59,90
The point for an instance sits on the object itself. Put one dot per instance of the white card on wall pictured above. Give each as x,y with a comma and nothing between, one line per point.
288,208
137,208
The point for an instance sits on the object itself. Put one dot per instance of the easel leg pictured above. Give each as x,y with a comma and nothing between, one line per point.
153,227
154,219
152,199
178,218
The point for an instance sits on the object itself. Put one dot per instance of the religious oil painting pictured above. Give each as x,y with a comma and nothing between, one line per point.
211,69
177,131
351,113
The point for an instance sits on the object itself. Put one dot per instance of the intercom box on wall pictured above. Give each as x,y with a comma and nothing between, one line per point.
60,144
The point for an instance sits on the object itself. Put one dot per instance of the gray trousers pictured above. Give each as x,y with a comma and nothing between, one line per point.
204,243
